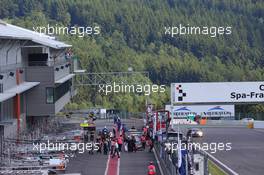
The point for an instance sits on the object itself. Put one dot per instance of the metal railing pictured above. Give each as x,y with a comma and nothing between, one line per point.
169,165
166,160
22,66
208,157
12,146
49,63
87,79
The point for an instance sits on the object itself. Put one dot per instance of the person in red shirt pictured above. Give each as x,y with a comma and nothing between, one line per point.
143,141
112,150
145,130
116,150
120,143
151,169
150,144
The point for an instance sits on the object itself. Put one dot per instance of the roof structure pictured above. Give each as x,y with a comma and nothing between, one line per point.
9,31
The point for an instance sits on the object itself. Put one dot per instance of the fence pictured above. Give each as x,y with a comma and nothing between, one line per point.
208,157
167,161
10,145
108,115
198,161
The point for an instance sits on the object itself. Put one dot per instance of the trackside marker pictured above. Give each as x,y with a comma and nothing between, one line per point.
113,164
118,165
107,164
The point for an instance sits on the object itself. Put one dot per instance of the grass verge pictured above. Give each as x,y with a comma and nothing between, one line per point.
214,169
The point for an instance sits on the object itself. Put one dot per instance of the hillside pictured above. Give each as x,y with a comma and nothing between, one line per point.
133,32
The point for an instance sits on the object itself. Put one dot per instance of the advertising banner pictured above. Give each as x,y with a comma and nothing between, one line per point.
204,111
223,92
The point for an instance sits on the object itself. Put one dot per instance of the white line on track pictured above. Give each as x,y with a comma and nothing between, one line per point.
107,163
118,165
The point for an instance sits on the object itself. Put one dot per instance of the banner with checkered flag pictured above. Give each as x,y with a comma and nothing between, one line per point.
179,93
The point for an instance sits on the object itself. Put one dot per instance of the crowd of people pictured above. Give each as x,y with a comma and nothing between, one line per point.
119,139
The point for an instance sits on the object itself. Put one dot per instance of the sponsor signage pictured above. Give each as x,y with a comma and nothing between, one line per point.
223,92
204,110
103,111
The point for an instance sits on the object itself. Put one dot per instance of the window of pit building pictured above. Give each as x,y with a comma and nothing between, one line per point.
62,89
22,103
1,115
38,59
7,110
49,95
196,165
1,88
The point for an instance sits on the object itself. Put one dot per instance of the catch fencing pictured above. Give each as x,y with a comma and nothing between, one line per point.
198,162
167,162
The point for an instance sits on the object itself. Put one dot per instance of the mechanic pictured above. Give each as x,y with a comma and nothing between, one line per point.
151,169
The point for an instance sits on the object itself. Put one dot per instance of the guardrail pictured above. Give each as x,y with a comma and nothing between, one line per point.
168,162
49,63
237,123
217,162
214,123
25,172
258,124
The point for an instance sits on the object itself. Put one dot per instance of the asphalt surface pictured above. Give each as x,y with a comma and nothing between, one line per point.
130,163
247,154
86,164
136,163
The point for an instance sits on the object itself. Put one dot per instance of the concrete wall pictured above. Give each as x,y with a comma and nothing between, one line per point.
235,123
36,97
10,61
259,124
10,51
62,72
7,112
58,56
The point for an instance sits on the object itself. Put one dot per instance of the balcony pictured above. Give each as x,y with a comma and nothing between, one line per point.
48,71
49,63
51,75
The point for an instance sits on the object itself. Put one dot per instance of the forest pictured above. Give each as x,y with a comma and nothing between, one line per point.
132,34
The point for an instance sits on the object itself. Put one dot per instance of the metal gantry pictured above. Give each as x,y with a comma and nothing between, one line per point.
88,79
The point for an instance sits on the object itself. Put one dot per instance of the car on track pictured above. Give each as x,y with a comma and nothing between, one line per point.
136,134
248,119
195,132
